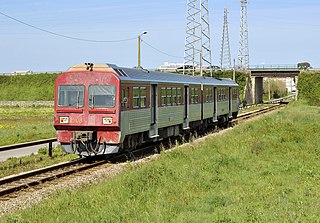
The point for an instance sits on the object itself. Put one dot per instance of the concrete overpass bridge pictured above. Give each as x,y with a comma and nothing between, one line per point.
254,85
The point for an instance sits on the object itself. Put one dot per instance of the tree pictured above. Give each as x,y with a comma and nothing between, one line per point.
304,65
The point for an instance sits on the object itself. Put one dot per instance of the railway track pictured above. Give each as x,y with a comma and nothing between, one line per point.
10,186
255,113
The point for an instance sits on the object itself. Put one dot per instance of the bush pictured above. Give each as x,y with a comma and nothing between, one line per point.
309,87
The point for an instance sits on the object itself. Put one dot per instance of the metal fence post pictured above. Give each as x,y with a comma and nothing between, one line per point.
50,149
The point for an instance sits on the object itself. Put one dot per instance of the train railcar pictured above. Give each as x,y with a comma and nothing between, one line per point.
105,109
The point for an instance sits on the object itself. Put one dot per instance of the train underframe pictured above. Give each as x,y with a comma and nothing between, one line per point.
87,143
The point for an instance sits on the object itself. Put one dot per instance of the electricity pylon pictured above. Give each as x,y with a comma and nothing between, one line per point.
225,54
243,56
197,45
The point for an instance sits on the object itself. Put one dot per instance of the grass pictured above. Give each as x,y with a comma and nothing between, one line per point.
22,124
40,87
15,165
268,172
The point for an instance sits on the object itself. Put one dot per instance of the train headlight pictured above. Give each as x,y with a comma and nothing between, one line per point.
64,120
106,121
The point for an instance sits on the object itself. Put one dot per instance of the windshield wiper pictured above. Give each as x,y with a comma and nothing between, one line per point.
78,97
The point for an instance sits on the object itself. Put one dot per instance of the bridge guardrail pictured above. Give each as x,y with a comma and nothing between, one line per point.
26,144
274,66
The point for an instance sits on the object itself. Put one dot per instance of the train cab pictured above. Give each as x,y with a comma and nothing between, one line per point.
86,113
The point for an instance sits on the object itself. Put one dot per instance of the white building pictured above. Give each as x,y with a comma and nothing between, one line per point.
21,72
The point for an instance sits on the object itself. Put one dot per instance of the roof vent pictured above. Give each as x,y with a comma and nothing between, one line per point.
121,73
89,66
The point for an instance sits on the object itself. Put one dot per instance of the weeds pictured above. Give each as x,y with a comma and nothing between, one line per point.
16,165
22,124
262,171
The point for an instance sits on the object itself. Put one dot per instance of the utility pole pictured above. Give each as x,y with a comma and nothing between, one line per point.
197,44
243,56
139,49
225,55
234,70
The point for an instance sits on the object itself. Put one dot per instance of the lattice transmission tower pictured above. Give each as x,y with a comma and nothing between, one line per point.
197,44
225,54
243,57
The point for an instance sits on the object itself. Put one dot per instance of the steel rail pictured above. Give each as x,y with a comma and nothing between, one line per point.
258,112
33,180
15,183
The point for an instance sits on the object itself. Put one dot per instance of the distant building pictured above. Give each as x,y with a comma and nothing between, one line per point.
175,66
290,85
21,72
170,66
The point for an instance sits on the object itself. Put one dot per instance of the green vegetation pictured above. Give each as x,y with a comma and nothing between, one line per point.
277,89
309,87
24,124
303,65
36,87
268,172
34,161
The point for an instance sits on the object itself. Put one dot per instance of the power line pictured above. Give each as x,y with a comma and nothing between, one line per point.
65,36
80,39
160,51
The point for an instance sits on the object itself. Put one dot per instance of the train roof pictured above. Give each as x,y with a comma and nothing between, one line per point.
141,75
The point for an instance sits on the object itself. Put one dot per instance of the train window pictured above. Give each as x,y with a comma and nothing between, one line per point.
143,97
102,96
226,90
219,94
139,97
174,96
136,97
169,94
163,96
235,92
191,95
209,95
224,94
194,96
125,97
71,95
179,96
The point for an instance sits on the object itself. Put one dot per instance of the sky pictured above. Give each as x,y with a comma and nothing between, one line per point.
280,32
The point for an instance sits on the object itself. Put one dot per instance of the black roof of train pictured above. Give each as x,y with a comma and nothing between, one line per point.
140,75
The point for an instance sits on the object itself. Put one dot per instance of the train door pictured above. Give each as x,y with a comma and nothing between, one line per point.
186,108
215,106
230,102
153,132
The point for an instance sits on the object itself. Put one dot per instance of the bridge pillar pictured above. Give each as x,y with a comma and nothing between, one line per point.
253,92
248,96
257,90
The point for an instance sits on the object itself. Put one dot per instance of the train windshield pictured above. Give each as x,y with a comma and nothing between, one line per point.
71,95
102,96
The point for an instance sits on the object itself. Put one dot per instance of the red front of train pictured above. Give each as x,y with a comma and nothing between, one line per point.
86,110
